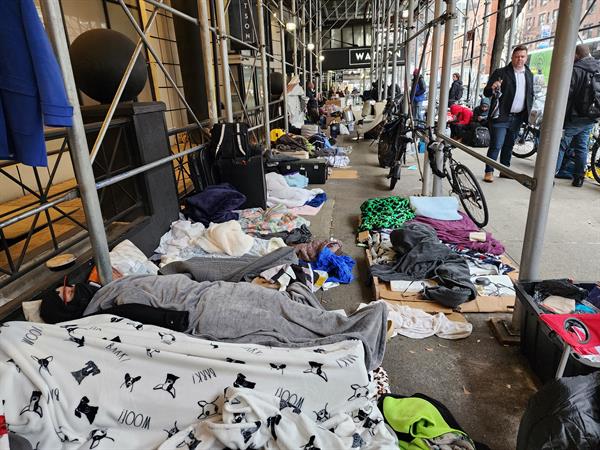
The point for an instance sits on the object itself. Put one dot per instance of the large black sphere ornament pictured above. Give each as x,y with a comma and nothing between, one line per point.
99,59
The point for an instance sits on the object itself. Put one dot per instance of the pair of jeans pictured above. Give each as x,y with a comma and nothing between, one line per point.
576,136
502,138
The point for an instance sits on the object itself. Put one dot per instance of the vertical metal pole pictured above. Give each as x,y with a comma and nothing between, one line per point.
387,51
408,55
310,40
464,42
433,79
78,146
395,49
511,32
382,51
207,56
295,39
373,37
262,42
224,60
303,22
482,54
376,33
444,89
283,65
320,52
545,164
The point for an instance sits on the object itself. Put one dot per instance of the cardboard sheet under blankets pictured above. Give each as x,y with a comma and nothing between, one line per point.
109,383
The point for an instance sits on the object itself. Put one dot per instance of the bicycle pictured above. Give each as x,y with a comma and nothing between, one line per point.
594,165
527,141
463,183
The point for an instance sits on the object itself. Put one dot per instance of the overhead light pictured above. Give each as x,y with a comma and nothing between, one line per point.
310,46
290,26
321,58
405,14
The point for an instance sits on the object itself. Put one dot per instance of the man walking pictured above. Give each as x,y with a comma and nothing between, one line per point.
417,94
456,90
578,123
511,89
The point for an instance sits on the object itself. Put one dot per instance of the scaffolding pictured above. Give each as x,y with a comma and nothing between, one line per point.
411,20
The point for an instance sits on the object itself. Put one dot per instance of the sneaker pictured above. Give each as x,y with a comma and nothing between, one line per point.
488,177
577,182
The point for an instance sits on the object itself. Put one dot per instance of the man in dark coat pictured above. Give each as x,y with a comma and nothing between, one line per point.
456,90
578,127
511,89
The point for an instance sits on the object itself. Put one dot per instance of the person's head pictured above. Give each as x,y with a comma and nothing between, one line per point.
581,51
416,73
456,76
310,85
519,57
455,109
66,302
485,104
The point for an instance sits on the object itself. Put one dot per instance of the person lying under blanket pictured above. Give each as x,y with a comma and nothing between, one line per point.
229,312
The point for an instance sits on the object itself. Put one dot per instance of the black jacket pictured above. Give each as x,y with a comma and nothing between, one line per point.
456,92
507,74
577,90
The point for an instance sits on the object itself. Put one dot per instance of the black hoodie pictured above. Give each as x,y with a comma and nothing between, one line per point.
581,70
456,92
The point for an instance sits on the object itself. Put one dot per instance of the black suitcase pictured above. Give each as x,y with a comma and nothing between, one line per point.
315,169
248,177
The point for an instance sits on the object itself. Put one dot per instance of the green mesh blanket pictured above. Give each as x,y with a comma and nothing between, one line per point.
384,212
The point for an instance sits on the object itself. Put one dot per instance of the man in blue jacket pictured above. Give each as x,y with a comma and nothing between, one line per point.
511,90
32,92
418,91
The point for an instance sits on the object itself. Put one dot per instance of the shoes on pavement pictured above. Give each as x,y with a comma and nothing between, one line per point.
577,182
488,177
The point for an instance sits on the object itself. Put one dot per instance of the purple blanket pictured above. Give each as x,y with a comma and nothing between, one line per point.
457,232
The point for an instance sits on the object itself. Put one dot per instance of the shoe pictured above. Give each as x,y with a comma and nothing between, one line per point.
488,177
502,175
577,182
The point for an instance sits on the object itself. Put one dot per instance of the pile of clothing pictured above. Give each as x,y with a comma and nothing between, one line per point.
384,212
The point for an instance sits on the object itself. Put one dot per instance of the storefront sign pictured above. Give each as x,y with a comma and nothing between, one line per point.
242,14
352,58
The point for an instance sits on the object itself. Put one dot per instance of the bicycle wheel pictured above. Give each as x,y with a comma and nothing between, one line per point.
466,187
595,163
525,144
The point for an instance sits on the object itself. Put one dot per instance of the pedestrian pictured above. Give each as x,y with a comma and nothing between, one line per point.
456,90
511,90
578,123
417,94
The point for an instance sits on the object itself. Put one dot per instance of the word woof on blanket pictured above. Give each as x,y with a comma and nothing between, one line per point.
141,387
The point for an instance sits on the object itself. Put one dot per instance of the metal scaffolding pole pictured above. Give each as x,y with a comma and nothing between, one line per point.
465,45
303,22
310,40
387,51
482,51
320,52
511,31
444,90
209,63
294,39
408,54
283,66
377,52
78,144
551,131
262,43
382,55
433,79
373,37
224,60
395,49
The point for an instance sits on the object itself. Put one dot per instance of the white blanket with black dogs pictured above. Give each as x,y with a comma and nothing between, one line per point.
104,382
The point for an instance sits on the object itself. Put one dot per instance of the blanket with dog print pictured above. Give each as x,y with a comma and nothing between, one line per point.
105,382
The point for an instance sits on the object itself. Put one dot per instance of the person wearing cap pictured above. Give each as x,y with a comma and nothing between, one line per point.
511,91
481,112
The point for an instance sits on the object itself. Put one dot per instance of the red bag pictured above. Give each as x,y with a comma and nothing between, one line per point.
580,331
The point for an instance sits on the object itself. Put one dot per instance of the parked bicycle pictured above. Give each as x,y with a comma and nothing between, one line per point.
463,183
594,164
528,139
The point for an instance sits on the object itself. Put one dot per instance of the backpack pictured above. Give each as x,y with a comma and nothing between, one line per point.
589,106
230,141
480,137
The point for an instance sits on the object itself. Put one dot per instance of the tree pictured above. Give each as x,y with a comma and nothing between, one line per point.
502,26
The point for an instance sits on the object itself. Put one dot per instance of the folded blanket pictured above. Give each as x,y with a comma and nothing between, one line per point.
225,238
244,312
440,208
214,204
278,192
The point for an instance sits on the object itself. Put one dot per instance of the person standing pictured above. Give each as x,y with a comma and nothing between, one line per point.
578,124
511,89
417,94
456,90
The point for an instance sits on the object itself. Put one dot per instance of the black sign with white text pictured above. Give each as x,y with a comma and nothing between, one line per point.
353,58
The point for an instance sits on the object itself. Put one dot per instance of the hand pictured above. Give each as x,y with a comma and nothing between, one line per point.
496,85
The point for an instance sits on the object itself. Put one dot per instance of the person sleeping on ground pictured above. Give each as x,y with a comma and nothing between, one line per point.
230,312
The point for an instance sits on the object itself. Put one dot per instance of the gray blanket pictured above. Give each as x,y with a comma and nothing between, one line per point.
244,268
246,313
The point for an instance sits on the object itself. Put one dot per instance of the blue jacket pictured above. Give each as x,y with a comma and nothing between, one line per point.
32,92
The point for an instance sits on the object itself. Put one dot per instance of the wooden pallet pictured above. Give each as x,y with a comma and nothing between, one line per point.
482,304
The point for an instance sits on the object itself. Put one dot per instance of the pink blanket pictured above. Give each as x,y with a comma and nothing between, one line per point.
457,232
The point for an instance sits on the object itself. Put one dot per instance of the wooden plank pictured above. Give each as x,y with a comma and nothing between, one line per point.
343,174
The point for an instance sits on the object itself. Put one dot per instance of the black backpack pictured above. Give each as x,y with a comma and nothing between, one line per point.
480,137
230,141
589,106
